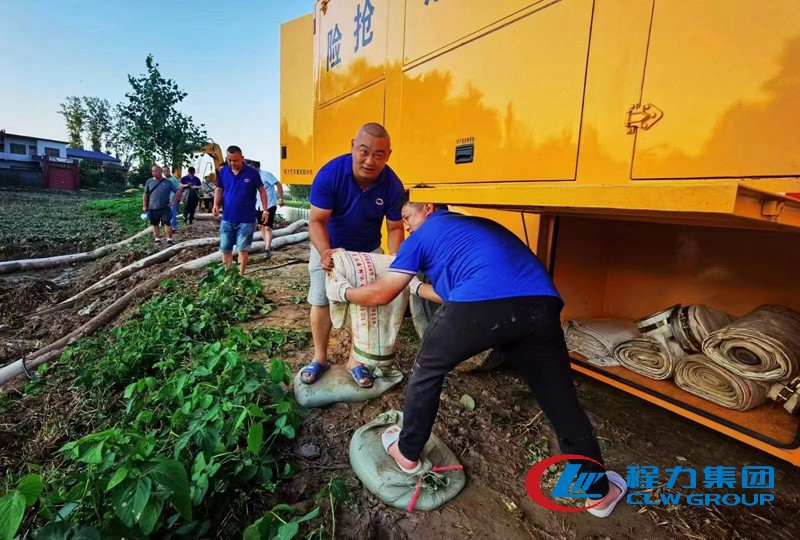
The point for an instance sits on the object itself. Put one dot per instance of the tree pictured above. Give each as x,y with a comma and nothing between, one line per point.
120,140
98,121
158,131
300,192
75,115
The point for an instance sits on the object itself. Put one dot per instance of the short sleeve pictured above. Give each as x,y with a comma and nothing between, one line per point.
172,188
221,180
322,195
409,257
393,212
269,178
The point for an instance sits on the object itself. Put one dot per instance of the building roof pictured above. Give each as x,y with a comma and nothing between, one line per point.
30,137
89,154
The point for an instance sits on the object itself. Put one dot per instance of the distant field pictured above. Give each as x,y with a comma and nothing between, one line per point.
42,223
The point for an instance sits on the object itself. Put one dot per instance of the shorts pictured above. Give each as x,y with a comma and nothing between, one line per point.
270,217
238,234
316,283
160,216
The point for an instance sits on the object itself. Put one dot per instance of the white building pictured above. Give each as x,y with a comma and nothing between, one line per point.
25,153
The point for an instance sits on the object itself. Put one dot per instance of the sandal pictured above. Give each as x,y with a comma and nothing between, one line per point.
390,437
618,481
360,372
316,370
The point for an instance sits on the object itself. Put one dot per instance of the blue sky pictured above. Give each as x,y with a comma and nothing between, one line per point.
225,54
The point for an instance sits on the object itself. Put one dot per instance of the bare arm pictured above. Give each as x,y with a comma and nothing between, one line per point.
396,235
178,197
318,233
381,292
279,187
145,201
426,291
263,194
217,200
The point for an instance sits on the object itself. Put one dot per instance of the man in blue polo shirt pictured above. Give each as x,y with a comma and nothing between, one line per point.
350,197
496,295
238,184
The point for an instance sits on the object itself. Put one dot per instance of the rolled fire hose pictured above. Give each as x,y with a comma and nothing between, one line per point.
687,325
698,375
654,357
596,338
764,345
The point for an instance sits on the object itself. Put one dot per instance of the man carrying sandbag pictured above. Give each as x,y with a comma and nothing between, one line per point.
496,294
350,196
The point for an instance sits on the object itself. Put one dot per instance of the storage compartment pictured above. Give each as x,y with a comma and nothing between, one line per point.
621,269
510,100
726,76
351,45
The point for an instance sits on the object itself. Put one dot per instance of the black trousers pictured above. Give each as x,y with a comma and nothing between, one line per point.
528,331
190,207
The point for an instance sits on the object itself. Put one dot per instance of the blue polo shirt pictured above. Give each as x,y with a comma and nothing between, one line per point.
471,259
356,214
239,191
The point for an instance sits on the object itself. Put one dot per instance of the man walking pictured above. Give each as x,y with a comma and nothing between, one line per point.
174,209
496,295
238,183
350,197
271,184
160,197
191,185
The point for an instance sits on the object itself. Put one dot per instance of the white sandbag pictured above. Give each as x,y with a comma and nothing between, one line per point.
374,329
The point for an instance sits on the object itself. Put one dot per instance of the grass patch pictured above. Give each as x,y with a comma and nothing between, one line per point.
125,212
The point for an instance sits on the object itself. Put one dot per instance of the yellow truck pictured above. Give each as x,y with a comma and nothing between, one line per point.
644,149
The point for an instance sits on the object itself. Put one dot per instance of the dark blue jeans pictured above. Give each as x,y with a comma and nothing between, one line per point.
528,331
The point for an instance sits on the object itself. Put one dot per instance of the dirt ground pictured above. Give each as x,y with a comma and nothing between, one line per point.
498,442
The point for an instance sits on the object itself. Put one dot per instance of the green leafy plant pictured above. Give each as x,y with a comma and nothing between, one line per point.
187,422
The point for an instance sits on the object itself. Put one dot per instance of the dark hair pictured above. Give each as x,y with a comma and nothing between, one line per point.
191,170
233,149
406,200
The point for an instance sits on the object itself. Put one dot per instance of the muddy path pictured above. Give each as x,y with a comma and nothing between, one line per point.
502,438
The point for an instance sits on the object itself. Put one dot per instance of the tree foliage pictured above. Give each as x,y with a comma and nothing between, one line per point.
300,192
98,121
74,113
157,130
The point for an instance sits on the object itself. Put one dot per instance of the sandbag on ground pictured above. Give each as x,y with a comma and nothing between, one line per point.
380,474
596,338
764,345
653,357
337,385
698,375
374,328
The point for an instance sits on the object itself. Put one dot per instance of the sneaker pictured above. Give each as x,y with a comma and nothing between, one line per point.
268,255
157,241
170,242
